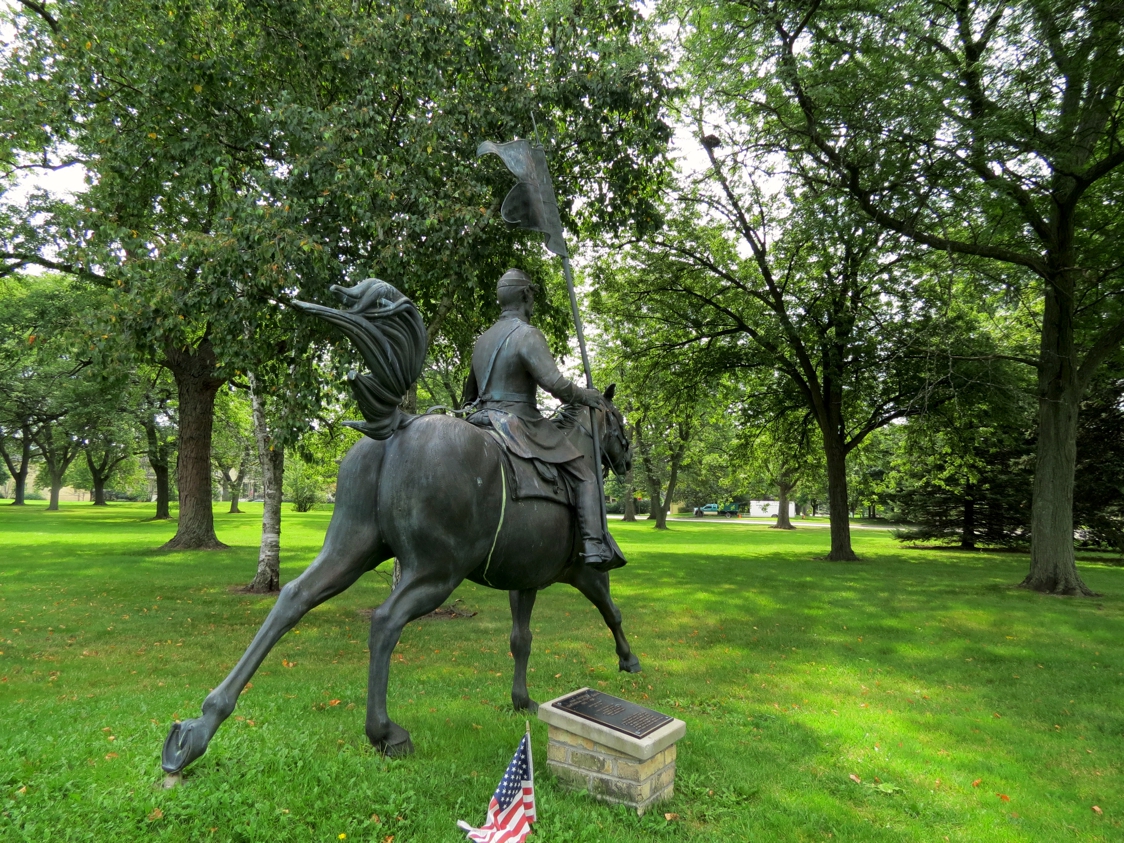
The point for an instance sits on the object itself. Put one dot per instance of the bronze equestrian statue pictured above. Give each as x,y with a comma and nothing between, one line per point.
447,500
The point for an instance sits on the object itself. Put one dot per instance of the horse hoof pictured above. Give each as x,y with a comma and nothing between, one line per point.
185,742
630,665
528,705
396,744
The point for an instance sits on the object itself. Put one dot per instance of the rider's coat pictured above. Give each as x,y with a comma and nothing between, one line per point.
509,362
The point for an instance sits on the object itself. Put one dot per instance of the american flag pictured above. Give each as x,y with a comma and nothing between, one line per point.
512,809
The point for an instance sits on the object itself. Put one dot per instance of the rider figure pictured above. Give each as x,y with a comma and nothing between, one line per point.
510,361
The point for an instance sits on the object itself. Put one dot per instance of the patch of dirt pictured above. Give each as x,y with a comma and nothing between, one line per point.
449,612
245,589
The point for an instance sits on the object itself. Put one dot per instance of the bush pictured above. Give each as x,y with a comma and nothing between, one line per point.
301,486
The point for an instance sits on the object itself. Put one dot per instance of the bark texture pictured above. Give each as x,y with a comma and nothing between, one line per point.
1053,567
629,497
58,452
19,470
267,578
197,384
159,458
968,526
837,502
236,489
785,485
100,472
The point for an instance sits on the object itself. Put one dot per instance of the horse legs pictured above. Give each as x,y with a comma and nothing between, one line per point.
522,603
595,586
414,596
340,563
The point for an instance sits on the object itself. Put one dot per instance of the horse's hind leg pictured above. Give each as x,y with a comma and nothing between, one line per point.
595,586
346,555
522,603
415,595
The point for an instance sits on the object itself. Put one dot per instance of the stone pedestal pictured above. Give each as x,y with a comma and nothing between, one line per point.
609,764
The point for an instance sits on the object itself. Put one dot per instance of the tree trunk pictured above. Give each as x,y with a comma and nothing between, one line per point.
1053,568
629,498
19,474
676,459
163,496
236,489
837,500
197,384
968,529
19,492
784,489
654,498
157,452
99,476
267,578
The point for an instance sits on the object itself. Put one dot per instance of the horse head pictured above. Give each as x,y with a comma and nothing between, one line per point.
616,449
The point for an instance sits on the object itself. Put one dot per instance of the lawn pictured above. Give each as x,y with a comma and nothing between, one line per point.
915,695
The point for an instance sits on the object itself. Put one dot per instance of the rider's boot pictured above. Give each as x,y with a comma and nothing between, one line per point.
596,553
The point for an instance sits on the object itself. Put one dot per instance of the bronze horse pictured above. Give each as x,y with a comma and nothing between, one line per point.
433,495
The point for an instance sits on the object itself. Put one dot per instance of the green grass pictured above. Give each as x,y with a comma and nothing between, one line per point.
924,674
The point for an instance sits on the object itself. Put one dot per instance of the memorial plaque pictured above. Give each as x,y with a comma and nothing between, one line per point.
618,714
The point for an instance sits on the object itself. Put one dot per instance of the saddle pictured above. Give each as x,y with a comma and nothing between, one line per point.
532,478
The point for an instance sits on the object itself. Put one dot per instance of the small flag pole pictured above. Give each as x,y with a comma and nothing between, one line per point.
530,761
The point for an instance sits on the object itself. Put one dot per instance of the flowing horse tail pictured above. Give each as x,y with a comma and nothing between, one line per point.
390,335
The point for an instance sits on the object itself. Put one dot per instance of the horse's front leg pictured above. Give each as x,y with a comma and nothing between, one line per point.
414,596
344,558
522,604
595,586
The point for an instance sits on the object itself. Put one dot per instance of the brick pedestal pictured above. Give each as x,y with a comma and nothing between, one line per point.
610,765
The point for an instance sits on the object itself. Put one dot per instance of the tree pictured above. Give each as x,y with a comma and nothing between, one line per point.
106,450
963,471
665,408
844,315
155,410
233,448
271,455
1098,491
50,392
985,130
238,152
781,447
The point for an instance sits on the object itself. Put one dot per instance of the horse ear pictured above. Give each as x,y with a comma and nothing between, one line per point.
610,392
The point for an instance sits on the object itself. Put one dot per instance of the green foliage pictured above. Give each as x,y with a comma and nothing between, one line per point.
302,486
242,152
1098,492
791,674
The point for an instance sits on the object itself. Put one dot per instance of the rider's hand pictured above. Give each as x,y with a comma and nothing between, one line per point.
590,398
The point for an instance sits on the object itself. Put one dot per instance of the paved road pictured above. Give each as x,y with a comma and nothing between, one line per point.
758,522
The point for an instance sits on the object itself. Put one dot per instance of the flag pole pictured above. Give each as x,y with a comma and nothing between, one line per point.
530,762
531,204
569,275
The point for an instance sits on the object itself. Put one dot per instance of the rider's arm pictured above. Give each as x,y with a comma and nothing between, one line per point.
537,359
